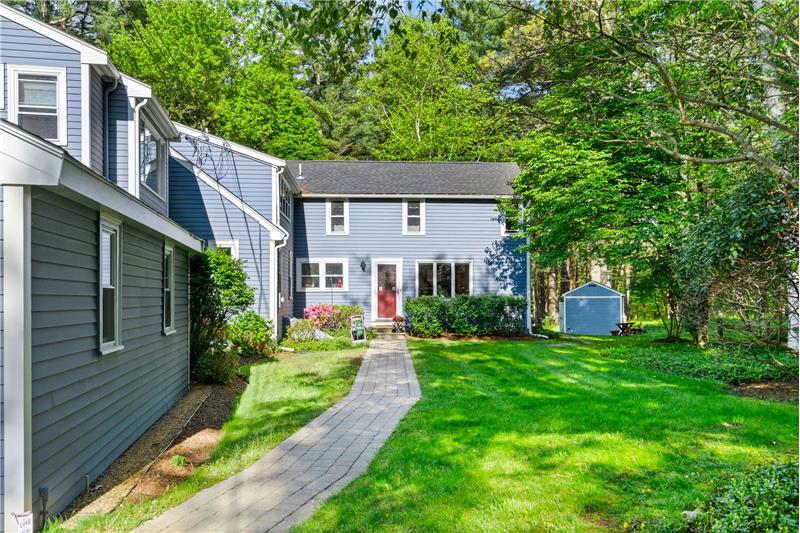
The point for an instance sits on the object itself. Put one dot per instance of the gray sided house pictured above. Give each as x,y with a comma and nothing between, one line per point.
373,233
591,309
94,344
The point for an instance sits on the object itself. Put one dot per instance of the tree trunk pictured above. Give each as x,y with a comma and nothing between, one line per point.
552,295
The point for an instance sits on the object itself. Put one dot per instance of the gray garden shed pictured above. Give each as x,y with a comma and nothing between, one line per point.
591,309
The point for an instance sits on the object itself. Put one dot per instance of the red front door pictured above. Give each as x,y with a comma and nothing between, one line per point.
387,291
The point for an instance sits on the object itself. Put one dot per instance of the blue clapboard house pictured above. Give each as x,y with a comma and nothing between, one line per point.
103,202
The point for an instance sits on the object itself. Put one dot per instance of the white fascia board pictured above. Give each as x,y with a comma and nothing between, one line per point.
26,159
276,233
399,195
89,54
219,141
593,283
108,196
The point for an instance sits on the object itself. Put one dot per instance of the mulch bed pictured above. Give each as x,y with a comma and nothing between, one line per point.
132,477
784,391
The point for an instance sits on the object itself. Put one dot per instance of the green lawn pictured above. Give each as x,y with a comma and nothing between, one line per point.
282,396
554,436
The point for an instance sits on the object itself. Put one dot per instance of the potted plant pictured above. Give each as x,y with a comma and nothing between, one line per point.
399,324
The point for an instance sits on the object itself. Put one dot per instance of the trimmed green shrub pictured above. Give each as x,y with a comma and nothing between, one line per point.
218,291
301,330
485,314
250,335
217,365
426,315
764,499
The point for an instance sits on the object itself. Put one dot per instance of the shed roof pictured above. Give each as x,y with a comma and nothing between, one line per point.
404,177
592,288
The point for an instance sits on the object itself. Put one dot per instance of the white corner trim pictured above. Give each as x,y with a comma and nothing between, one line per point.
276,232
421,216
529,319
61,87
17,464
322,262
219,141
398,262
273,287
86,121
328,214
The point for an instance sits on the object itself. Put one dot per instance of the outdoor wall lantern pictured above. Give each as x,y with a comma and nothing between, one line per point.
363,266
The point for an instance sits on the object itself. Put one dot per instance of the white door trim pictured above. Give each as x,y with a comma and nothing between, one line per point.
374,291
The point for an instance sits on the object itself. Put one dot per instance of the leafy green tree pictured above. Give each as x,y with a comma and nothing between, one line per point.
187,51
266,110
430,100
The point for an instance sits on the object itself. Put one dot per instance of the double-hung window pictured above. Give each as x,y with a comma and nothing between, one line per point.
444,278
509,222
169,289
37,99
286,200
110,287
413,217
322,275
152,159
229,247
337,216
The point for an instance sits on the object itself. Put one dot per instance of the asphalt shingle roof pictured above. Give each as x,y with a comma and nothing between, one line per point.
404,177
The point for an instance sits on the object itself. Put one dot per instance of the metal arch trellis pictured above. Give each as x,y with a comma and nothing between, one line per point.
223,166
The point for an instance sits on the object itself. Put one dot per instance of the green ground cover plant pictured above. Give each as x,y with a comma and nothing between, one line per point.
556,435
764,499
282,396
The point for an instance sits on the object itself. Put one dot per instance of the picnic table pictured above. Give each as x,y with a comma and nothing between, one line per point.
625,328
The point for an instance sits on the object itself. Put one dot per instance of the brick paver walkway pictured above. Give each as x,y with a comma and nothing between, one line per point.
286,486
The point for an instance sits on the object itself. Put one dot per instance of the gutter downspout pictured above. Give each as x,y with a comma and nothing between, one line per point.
274,257
107,116
133,178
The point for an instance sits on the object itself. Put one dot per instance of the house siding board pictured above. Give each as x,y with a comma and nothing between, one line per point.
455,230
592,316
119,116
153,200
87,409
97,116
247,178
23,46
202,211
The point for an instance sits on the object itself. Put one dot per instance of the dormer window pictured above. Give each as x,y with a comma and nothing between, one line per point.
152,160
37,98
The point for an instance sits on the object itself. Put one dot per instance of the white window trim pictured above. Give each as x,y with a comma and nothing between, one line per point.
161,158
504,231
2,84
452,263
374,290
232,244
285,192
169,249
421,216
328,230
323,262
61,83
116,344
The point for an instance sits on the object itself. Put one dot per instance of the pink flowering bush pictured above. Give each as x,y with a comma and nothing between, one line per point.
329,317
323,315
